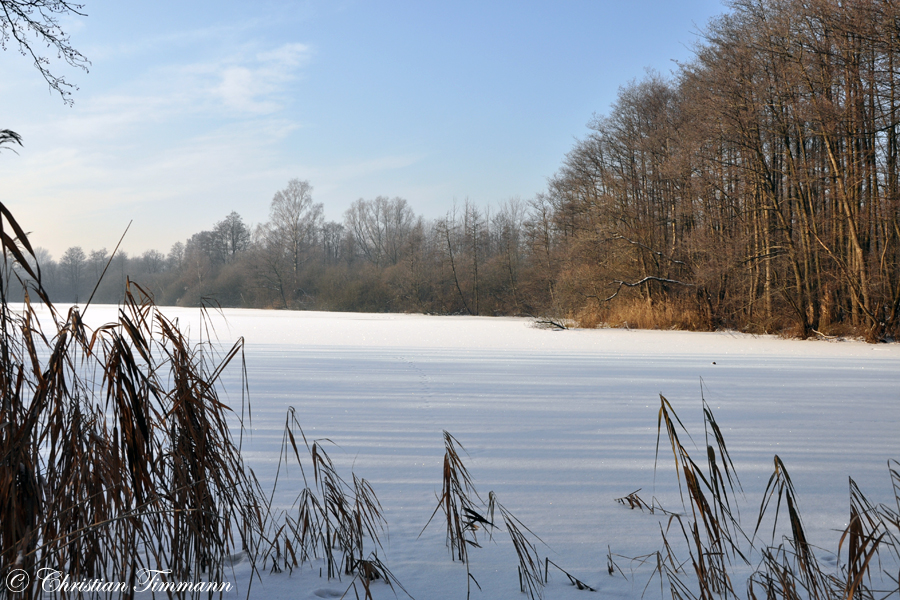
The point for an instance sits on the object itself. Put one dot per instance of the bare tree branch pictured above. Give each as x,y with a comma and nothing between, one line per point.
642,281
21,18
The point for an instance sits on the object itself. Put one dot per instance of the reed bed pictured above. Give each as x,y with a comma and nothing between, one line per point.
116,453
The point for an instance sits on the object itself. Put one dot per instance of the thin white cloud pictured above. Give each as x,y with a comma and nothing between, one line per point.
240,91
249,84
373,166
288,55
185,37
257,86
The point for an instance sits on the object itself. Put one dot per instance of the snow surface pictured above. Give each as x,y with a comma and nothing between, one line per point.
558,424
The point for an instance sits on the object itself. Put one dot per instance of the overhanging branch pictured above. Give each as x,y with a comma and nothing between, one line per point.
622,284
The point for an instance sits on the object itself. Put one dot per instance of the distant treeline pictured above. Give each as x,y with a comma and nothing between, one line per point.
758,188
381,258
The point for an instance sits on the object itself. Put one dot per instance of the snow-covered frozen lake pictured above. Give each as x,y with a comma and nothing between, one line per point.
558,424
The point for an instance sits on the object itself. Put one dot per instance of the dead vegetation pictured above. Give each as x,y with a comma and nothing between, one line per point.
117,454
783,566
640,314
466,513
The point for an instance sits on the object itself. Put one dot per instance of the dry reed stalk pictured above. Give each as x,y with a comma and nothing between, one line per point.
372,569
786,571
333,519
633,501
809,576
572,579
529,561
709,503
458,502
863,535
465,513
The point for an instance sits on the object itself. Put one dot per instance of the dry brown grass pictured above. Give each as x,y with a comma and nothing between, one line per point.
638,314
462,508
459,500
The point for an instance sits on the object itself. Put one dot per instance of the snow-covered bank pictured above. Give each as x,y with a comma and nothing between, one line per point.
558,424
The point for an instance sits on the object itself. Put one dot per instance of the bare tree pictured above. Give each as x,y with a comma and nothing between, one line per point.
271,266
332,242
473,230
294,222
96,262
381,228
73,264
231,237
508,223
287,242
153,261
175,258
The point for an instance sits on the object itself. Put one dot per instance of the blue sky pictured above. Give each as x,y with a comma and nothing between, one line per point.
194,109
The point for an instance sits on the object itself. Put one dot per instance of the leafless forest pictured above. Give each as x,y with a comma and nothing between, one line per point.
756,188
